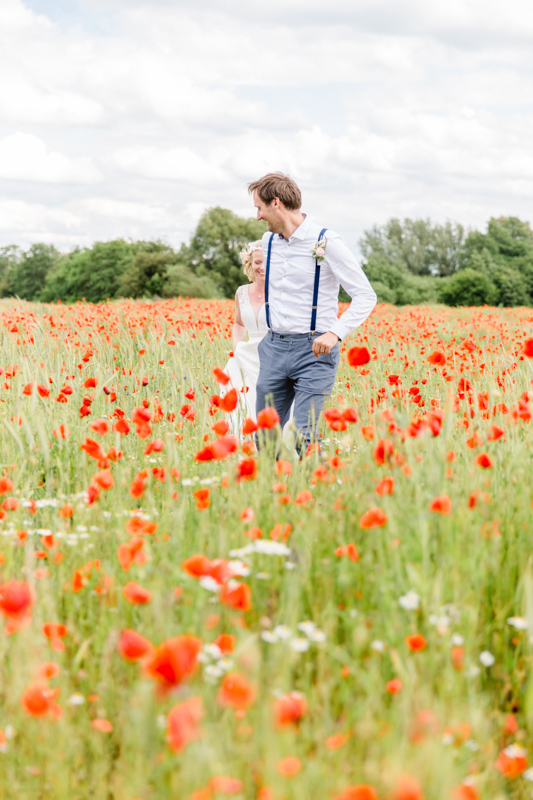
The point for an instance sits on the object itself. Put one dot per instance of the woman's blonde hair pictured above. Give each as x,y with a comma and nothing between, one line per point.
247,257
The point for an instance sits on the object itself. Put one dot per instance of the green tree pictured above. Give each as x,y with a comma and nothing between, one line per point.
213,251
27,274
511,287
10,255
182,282
93,273
468,288
417,245
507,240
159,273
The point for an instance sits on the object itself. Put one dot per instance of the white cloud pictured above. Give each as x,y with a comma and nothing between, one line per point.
24,157
378,108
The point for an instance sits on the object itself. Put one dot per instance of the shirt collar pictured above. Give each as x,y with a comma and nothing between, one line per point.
301,230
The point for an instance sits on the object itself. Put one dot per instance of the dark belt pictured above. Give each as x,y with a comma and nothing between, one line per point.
275,335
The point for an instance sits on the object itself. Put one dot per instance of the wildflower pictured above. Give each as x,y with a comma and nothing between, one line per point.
246,469
174,660
135,594
267,418
6,485
131,552
394,686
290,709
303,498
385,486
237,595
408,788
486,658
225,784
348,551
437,358
512,761
132,646
39,700
373,518
458,656
16,600
100,426
416,642
202,498
528,348
361,791
441,505
248,427
102,725
55,632
495,433
236,691
519,623
410,601
383,451
220,376
289,766
336,741
357,356
183,723
483,460
229,401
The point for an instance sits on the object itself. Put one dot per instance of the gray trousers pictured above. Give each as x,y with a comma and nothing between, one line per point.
289,371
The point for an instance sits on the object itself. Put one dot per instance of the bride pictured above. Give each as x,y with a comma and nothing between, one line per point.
250,318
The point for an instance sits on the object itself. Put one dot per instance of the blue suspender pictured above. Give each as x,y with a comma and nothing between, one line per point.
267,273
315,288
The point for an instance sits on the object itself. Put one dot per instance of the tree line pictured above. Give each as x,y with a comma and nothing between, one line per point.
407,261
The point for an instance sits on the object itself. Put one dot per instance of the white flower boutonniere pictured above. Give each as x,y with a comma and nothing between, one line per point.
319,250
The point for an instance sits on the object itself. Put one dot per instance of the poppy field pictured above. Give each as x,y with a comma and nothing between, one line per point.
186,618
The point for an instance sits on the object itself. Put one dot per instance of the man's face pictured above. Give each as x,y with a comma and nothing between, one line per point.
270,213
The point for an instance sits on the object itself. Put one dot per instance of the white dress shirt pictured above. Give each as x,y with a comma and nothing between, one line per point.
292,278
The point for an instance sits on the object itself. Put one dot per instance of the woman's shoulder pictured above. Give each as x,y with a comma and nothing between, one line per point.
243,289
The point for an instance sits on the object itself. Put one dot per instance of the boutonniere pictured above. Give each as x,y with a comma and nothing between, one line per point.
319,250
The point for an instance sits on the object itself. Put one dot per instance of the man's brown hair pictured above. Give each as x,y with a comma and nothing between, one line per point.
276,184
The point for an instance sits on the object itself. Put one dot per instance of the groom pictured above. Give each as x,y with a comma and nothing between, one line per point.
305,265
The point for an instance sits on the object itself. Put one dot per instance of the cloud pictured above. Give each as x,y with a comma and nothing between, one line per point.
136,124
24,157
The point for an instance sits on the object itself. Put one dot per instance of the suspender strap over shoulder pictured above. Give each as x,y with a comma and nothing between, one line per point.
315,289
267,275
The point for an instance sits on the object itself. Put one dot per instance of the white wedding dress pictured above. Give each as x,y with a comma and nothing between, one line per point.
243,368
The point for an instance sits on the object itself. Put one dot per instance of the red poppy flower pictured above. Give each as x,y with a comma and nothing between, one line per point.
373,518
183,723
357,356
132,646
220,376
238,596
289,709
483,460
135,594
416,642
174,660
236,691
267,418
441,505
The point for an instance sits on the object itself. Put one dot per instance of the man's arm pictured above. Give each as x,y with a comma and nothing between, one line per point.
353,280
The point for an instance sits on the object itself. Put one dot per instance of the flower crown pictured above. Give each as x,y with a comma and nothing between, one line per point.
248,249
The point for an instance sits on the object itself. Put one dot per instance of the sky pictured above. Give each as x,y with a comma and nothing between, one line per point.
129,118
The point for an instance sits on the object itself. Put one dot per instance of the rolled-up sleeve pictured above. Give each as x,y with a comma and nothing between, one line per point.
353,280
